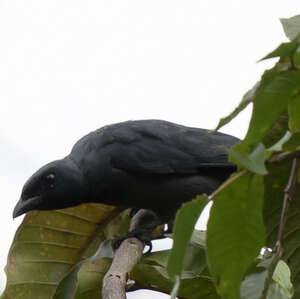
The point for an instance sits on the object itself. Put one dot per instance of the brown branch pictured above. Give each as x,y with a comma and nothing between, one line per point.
126,257
284,156
288,195
278,250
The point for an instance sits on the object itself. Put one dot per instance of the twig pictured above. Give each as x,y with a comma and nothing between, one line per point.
278,250
284,156
288,195
126,257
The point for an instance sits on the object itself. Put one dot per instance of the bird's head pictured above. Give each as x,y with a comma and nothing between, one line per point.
57,185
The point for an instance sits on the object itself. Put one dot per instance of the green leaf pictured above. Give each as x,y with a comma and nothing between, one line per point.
279,145
185,221
277,131
193,284
67,287
284,50
293,143
158,258
49,243
270,279
90,278
151,273
155,278
270,101
294,113
194,261
246,100
291,26
195,258
282,277
235,232
255,282
253,286
255,162
276,292
292,30
275,184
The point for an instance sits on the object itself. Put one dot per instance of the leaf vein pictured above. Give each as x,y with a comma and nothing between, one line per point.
57,229
77,217
48,243
32,282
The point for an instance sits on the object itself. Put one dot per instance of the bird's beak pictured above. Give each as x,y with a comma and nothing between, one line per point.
24,205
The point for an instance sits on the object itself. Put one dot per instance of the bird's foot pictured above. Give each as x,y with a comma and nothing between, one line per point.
143,238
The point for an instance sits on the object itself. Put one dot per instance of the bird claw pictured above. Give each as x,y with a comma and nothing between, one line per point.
116,243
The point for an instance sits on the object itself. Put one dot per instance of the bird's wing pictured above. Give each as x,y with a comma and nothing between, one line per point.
163,147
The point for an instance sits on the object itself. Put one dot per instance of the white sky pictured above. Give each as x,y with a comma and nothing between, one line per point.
69,67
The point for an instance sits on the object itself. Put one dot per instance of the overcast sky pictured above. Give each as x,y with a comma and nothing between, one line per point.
69,67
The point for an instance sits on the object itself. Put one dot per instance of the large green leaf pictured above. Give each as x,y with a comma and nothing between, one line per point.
246,100
235,232
48,243
185,221
285,49
271,100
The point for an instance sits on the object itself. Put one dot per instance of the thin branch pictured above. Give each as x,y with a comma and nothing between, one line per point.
278,250
284,156
126,257
288,195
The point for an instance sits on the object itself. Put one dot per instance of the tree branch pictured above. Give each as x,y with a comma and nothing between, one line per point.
126,257
284,156
288,195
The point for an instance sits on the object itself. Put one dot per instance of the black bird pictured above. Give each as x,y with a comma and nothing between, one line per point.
145,164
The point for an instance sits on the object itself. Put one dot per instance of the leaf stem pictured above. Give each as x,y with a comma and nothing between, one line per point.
288,195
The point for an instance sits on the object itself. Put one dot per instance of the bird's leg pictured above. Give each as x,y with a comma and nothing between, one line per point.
143,227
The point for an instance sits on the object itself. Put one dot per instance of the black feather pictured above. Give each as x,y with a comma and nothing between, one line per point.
150,164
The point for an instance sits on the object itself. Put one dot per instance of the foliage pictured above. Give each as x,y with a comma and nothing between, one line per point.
56,254
48,244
